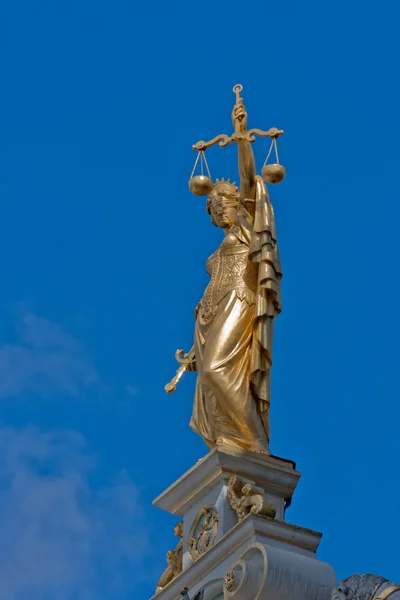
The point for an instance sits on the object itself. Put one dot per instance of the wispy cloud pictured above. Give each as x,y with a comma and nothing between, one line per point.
60,539
132,390
44,359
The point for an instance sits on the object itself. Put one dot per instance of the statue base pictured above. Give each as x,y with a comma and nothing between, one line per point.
236,543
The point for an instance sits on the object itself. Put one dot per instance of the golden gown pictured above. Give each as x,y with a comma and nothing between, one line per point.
233,332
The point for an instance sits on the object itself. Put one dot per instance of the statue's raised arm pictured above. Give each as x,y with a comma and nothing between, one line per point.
247,165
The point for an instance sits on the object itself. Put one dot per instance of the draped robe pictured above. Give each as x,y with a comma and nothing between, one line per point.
234,328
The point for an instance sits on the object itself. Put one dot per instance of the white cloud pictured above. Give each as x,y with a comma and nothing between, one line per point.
45,360
59,538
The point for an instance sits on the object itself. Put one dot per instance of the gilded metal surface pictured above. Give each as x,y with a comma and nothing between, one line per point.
273,173
200,185
187,363
249,136
174,560
203,531
240,134
234,320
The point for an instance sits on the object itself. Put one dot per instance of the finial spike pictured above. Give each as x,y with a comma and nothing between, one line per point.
236,90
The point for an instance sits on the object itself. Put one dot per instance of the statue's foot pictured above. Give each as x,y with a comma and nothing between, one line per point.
262,451
222,442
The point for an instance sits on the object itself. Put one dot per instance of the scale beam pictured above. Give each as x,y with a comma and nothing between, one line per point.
250,136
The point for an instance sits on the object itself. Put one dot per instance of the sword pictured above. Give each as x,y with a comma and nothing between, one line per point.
184,360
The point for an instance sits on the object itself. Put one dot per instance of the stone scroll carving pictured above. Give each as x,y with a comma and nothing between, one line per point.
366,587
266,572
246,498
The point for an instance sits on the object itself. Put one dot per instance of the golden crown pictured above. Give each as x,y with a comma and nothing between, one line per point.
224,186
224,182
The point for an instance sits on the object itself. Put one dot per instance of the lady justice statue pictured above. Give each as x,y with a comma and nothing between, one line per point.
232,350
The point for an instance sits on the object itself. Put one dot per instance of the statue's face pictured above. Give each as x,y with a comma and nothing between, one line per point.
223,211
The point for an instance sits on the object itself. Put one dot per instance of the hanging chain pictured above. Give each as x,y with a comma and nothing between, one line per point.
273,145
276,151
203,156
195,164
203,161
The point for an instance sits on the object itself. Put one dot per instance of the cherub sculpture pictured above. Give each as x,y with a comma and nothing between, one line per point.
174,560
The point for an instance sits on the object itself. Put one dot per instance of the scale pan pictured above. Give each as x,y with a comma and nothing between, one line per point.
273,173
200,185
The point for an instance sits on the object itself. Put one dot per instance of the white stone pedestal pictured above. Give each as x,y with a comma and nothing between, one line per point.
259,557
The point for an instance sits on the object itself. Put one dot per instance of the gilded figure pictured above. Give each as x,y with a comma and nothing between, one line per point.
234,320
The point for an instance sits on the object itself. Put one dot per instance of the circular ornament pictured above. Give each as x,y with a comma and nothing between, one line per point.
203,531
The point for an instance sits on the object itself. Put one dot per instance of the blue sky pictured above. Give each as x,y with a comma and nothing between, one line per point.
104,250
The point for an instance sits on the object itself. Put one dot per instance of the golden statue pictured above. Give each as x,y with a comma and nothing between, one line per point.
232,350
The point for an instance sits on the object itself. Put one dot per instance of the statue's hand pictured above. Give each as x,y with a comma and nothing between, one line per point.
239,118
186,359
191,366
